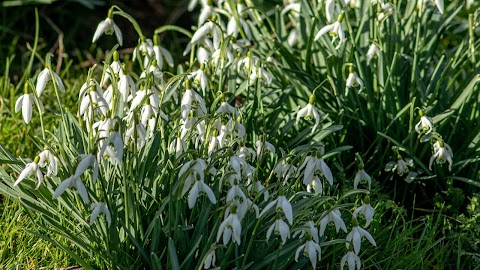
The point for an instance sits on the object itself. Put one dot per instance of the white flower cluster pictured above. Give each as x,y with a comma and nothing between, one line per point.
442,152
216,161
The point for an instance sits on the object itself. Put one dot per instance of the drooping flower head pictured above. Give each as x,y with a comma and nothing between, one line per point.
442,153
25,103
361,175
353,81
373,51
108,27
425,125
355,237
309,112
335,30
30,169
46,75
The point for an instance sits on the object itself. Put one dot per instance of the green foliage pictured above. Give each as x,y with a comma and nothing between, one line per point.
20,249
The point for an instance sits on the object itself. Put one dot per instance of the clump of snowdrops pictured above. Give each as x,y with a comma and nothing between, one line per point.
224,160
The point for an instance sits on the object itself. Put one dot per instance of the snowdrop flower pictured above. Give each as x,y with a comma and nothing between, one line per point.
126,86
294,7
111,72
401,165
355,237
144,49
47,158
90,85
154,71
425,125
104,128
352,3
192,100
97,209
233,27
335,30
281,204
222,137
293,37
309,229
334,216
225,56
468,4
353,81
316,184
244,152
247,63
30,169
177,146
237,164
352,259
280,228
91,102
203,55
315,164
310,249
360,176
200,35
284,169
237,197
329,9
235,192
206,12
215,143
25,103
87,160
136,133
373,50
115,153
261,145
198,188
258,188
442,153
148,96
366,210
387,10
108,27
44,77
72,182
228,109
199,77
193,3
161,53
258,72
149,114
309,112
194,169
237,128
230,228
210,259
438,3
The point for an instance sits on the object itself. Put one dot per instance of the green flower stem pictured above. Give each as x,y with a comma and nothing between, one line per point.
174,28
55,86
28,85
127,16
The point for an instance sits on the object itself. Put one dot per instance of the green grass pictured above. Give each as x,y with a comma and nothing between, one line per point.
20,249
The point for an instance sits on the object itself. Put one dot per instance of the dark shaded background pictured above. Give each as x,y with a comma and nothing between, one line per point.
77,22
